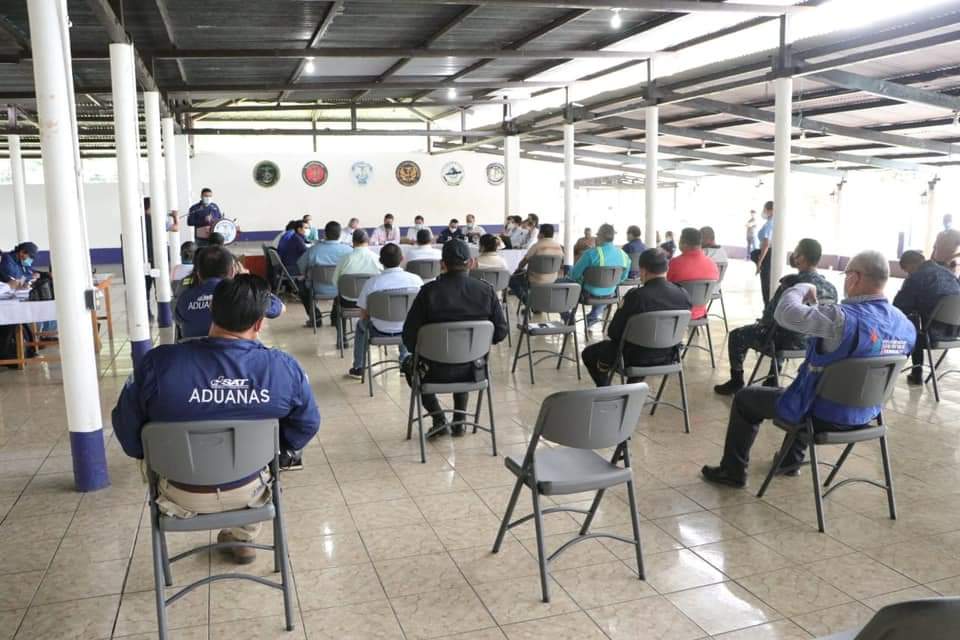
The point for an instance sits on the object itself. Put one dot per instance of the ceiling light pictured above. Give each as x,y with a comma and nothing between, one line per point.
309,67
615,20
451,93
803,134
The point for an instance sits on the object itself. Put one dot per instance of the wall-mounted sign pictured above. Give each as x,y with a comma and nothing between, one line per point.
314,173
408,173
362,172
266,173
495,173
452,174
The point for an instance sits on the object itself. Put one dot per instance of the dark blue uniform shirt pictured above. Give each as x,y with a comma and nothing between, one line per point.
193,308
923,288
290,247
217,379
204,215
12,269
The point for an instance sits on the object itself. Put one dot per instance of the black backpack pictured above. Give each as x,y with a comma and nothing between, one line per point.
43,288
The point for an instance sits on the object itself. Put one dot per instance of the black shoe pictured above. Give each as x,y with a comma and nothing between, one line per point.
790,471
728,388
457,430
915,380
356,374
440,428
717,475
770,381
290,461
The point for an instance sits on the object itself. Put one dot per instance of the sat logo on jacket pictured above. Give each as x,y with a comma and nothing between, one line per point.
230,391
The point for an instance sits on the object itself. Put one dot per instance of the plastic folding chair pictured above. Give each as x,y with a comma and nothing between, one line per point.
499,279
601,278
559,297
929,618
700,292
389,305
426,269
348,287
718,295
320,274
280,278
946,313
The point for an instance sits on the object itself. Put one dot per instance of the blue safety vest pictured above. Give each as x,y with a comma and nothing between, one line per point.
871,329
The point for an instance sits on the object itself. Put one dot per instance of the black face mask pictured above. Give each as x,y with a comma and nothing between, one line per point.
388,226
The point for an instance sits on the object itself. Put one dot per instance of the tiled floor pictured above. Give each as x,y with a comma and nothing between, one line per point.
385,547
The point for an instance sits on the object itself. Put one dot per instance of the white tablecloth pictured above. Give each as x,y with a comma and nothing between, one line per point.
23,312
511,256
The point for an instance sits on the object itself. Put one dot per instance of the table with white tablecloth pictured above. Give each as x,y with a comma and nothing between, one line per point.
511,256
18,311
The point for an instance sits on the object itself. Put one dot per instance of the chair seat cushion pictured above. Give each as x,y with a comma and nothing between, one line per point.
563,470
653,370
452,387
553,327
225,520
944,343
386,340
592,300
839,435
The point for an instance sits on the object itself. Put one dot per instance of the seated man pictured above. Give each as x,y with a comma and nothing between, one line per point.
386,233
423,250
584,243
328,252
514,236
864,325
292,245
452,232
710,247
453,297
16,267
927,282
361,260
756,336
473,231
656,294
489,258
173,384
346,233
634,245
945,248
393,277
545,245
603,254
412,231
188,251
192,314
692,264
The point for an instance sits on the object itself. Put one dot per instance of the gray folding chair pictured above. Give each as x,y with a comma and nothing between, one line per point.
280,278
559,297
320,274
452,343
499,279
578,422
700,292
600,277
947,312
542,265
426,269
928,618
348,288
718,295
389,305
778,357
855,382
634,268
656,330
212,454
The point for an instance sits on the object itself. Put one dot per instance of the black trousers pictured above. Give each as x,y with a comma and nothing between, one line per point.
443,373
599,357
765,278
743,339
306,299
148,284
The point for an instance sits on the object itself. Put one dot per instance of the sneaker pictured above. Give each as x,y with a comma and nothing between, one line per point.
915,380
241,555
728,388
290,461
717,475
356,374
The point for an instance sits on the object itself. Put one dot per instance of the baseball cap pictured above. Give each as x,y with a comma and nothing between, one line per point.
29,247
456,252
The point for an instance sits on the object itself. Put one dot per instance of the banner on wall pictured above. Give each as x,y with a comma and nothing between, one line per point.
266,173
452,174
314,173
362,172
408,173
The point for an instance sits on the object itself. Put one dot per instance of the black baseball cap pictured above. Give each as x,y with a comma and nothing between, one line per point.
29,247
456,252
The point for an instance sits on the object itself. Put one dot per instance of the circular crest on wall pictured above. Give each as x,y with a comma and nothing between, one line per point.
452,174
362,172
266,173
495,173
314,173
408,173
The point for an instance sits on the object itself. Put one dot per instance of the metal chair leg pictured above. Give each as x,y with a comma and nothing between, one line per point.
683,401
838,464
313,314
516,355
576,349
476,414
585,528
888,477
410,412
756,367
723,309
815,473
530,356
423,440
507,515
280,544
541,551
933,375
165,558
634,512
563,350
656,400
158,581
786,446
713,362
493,429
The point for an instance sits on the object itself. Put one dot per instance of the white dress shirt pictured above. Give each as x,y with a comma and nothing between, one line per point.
422,252
390,279
382,236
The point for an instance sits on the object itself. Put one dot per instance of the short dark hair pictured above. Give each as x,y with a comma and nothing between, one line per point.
216,239
305,216
420,218
424,236
911,257
811,250
291,225
213,262
516,219
206,190
691,237
187,250
389,215
546,230
240,302
332,230
391,255
768,205
707,233
654,261
454,221
488,243
359,236
633,231
534,218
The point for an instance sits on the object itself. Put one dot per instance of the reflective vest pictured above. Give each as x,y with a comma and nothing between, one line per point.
871,328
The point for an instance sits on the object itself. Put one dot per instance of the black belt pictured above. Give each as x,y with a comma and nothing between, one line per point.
211,488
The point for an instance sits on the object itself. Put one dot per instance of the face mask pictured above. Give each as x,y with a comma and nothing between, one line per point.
453,229
206,200
388,226
27,261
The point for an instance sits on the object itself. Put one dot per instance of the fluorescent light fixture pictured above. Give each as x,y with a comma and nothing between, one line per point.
615,20
309,67
451,93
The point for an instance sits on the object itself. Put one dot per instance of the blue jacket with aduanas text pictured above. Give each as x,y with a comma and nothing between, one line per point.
193,313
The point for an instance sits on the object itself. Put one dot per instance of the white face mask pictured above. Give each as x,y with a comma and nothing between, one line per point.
206,200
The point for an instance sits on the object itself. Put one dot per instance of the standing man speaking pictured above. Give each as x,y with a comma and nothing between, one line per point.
203,216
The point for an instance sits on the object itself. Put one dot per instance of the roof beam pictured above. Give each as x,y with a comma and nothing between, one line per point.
887,89
213,131
318,33
385,52
339,106
665,6
22,39
167,21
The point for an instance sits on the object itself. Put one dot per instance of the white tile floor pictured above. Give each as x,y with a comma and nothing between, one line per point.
384,547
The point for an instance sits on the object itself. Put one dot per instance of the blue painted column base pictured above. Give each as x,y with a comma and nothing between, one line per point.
164,315
139,348
89,460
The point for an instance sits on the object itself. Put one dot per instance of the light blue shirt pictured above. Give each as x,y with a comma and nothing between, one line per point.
606,255
766,231
324,253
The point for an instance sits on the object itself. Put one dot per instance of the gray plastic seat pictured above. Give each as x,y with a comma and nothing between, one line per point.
718,295
544,264
348,287
926,619
855,382
426,269
778,355
947,312
578,423
389,305
213,453
452,343
559,297
280,277
634,268
499,279
320,274
656,330
700,292
600,277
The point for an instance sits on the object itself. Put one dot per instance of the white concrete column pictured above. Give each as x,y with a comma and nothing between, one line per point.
51,50
127,133
568,158
934,222
651,179
19,188
783,90
184,188
511,181
158,208
170,164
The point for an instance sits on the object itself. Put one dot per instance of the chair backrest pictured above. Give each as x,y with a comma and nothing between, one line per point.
273,257
558,297
947,310
321,273
634,262
591,418
426,269
926,618
700,291
350,284
212,452
598,276
391,305
657,329
722,268
455,342
860,382
543,263
498,278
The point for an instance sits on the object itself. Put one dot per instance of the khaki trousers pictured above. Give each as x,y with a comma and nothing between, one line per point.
176,502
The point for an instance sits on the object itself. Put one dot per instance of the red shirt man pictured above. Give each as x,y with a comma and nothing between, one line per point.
692,264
